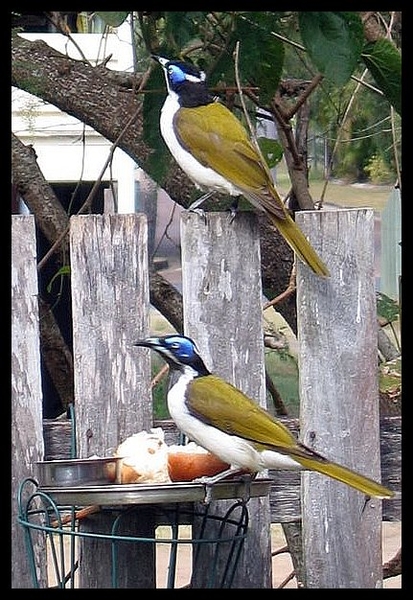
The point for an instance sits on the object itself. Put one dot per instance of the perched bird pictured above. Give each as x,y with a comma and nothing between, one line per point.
213,148
218,416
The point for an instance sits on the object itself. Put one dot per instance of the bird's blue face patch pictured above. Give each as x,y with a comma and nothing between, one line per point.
175,74
181,347
180,71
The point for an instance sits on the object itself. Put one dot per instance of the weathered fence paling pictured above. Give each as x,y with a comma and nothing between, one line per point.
26,416
339,404
110,297
222,298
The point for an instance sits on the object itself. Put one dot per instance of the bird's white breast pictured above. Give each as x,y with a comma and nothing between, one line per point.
203,177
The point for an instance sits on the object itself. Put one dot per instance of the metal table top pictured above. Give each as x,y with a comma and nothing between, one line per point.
140,493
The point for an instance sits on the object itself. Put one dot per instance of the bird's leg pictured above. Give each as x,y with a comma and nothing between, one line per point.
195,205
211,480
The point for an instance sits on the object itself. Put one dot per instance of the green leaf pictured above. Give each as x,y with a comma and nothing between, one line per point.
114,19
271,150
181,28
387,308
158,161
385,64
65,270
261,58
334,41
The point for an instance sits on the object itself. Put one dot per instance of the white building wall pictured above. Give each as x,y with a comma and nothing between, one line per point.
57,138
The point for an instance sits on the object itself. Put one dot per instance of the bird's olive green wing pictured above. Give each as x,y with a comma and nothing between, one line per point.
222,405
217,139
218,403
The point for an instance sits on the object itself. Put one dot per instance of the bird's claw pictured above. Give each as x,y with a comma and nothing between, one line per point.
200,212
247,479
208,493
232,213
206,481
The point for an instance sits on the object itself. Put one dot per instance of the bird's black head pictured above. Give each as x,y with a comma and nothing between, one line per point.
185,80
179,351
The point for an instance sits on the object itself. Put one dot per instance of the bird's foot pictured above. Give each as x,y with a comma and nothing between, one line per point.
210,481
200,212
247,478
196,206
232,213
233,210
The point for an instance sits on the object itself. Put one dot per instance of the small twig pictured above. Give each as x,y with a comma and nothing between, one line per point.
291,287
394,146
281,117
286,580
79,514
165,233
393,567
159,376
244,108
64,30
340,132
303,97
280,408
282,550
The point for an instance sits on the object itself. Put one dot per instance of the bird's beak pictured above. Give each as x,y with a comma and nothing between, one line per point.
162,61
150,342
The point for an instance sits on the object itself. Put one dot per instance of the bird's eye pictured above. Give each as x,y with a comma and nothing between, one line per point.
175,345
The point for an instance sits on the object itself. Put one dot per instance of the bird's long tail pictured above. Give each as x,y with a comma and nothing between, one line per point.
345,475
299,243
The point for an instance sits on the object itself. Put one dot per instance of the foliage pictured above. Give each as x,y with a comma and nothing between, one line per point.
384,62
114,19
271,150
387,308
390,378
334,41
378,171
365,133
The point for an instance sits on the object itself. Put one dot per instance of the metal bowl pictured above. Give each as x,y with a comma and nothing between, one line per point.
79,472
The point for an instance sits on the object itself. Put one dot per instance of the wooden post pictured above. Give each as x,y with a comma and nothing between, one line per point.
337,327
110,295
221,278
26,414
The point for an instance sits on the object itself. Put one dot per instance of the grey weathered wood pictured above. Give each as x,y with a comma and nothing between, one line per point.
337,327
110,297
221,279
135,561
26,413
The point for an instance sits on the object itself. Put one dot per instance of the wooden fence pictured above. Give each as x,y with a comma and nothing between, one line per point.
222,311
